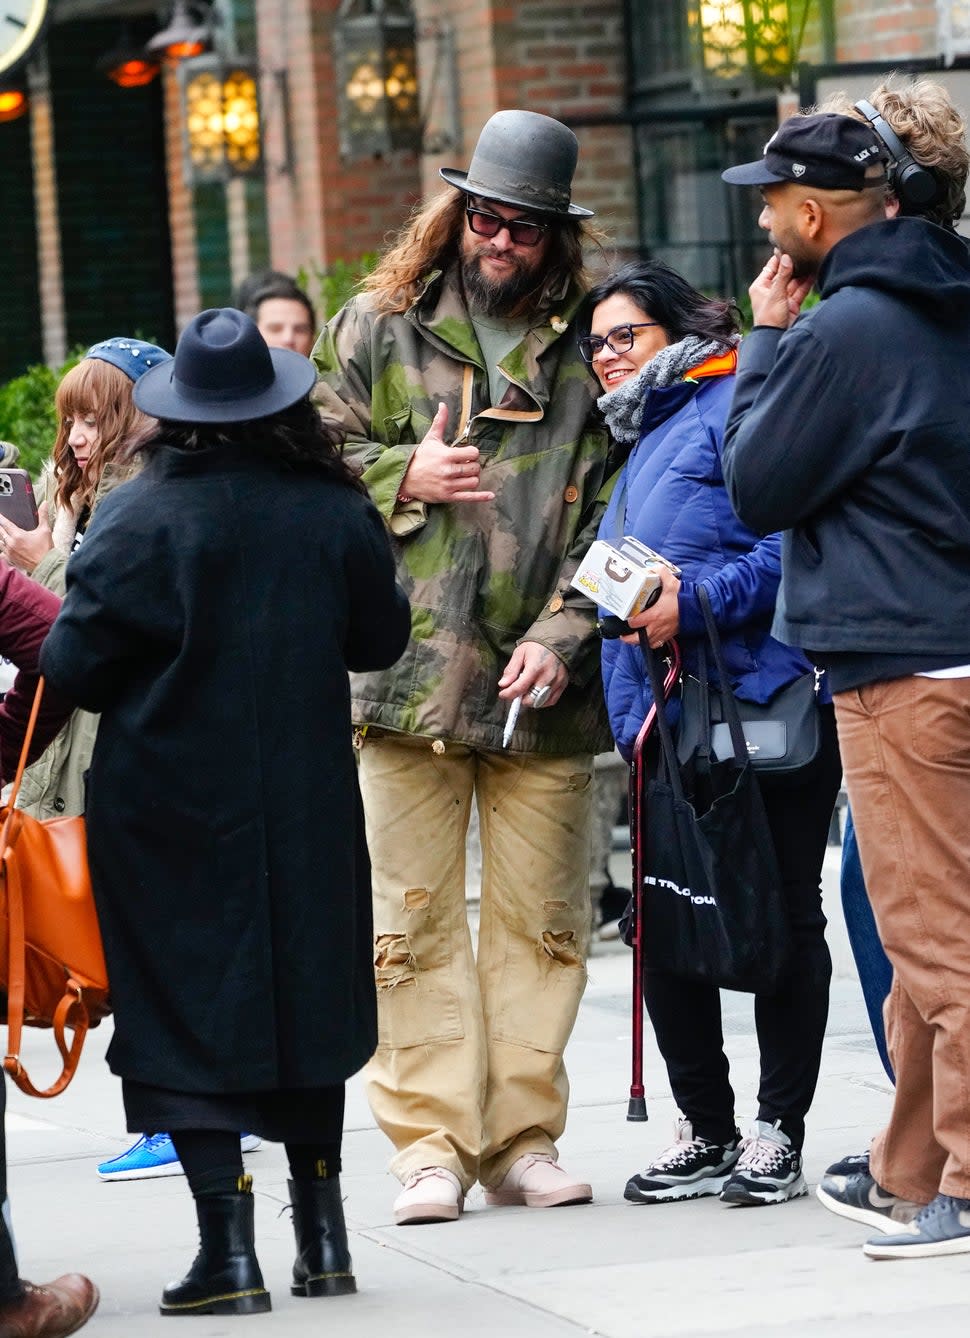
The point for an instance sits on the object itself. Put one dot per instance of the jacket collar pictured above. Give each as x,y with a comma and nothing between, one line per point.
721,364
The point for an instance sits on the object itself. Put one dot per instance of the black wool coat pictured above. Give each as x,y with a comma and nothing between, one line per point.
212,613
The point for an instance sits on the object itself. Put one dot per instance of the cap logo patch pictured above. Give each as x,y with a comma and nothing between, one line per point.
798,169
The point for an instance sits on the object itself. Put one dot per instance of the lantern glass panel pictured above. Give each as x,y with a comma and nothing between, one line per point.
222,127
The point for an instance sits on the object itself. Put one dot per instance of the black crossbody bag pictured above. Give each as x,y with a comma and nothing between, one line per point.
781,737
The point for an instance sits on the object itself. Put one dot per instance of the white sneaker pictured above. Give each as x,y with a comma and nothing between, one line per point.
432,1194
537,1181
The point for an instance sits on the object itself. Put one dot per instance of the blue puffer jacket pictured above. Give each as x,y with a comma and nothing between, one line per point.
674,500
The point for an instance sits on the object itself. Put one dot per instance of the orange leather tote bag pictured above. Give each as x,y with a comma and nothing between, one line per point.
51,959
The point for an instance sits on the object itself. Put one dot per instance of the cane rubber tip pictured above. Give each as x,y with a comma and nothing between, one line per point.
636,1111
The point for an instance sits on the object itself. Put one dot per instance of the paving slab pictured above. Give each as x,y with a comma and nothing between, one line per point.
685,1270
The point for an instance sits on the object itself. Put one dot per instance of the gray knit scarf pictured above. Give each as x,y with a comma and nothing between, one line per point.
623,407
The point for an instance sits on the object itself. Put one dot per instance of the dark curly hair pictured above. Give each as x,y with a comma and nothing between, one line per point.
296,437
663,295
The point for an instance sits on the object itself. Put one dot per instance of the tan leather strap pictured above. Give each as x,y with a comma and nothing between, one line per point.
28,736
70,1055
16,954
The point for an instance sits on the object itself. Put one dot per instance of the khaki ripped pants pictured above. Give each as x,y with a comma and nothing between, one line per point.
469,1072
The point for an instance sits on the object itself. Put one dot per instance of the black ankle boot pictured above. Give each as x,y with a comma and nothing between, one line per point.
225,1277
323,1266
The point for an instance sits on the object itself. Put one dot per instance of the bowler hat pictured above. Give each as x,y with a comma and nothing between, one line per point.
827,150
523,158
223,372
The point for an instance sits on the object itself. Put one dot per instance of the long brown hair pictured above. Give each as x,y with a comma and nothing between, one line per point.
99,389
431,240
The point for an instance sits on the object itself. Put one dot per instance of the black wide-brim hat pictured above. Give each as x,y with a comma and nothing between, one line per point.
524,159
224,372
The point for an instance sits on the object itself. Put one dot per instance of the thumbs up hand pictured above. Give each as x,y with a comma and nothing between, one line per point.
439,472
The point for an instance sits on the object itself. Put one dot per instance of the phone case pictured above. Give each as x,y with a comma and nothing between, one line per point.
17,502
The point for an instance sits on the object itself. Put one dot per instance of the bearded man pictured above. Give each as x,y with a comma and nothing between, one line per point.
457,382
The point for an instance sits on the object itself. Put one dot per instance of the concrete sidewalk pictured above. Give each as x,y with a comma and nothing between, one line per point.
687,1269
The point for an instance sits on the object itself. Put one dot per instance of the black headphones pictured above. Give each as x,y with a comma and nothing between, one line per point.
914,185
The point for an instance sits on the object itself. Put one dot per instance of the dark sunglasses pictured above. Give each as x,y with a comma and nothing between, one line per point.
520,230
618,340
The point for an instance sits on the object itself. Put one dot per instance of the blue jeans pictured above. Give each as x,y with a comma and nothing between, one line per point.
872,964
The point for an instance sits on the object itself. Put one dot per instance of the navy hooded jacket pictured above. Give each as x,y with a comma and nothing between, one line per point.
851,431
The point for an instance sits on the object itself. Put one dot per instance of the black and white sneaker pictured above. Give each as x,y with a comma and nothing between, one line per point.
769,1169
860,1199
689,1169
856,1163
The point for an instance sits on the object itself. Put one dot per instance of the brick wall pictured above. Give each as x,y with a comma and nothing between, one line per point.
181,213
50,275
320,209
559,57
885,30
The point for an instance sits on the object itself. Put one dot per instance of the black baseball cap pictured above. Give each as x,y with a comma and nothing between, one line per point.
826,150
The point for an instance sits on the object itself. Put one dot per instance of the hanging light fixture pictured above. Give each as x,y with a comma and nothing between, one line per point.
744,39
377,83
13,103
220,106
188,33
127,64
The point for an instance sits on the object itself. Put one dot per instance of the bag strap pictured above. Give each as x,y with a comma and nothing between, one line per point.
663,724
28,738
731,712
17,951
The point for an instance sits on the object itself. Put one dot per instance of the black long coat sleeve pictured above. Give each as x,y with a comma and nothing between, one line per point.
211,616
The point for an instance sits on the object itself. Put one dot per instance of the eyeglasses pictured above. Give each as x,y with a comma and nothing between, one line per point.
521,231
618,340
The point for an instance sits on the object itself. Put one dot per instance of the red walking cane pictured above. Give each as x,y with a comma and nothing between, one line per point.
637,1109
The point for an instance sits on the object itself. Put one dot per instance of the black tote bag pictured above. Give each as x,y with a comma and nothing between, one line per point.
713,903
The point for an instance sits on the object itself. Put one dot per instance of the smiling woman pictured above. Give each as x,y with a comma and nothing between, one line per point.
665,356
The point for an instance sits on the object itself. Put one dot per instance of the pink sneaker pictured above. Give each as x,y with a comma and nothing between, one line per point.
538,1181
429,1195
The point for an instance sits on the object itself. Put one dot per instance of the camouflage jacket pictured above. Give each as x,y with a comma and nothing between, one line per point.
481,577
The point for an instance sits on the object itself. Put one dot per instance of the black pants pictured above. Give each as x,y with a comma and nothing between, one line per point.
790,1023
212,1159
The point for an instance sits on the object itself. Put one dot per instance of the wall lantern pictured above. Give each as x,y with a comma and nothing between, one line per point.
375,44
220,114
13,103
188,33
744,40
126,64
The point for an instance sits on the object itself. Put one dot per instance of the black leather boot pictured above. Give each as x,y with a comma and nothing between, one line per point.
225,1278
323,1266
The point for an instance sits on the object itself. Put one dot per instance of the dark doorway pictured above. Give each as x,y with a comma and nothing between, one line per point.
112,192
689,218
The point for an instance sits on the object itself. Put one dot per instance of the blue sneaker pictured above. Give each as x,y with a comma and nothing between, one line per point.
942,1227
154,1155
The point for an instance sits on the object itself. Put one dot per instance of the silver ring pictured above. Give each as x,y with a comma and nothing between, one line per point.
539,695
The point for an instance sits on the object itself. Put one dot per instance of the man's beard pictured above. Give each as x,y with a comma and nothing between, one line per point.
803,264
494,297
